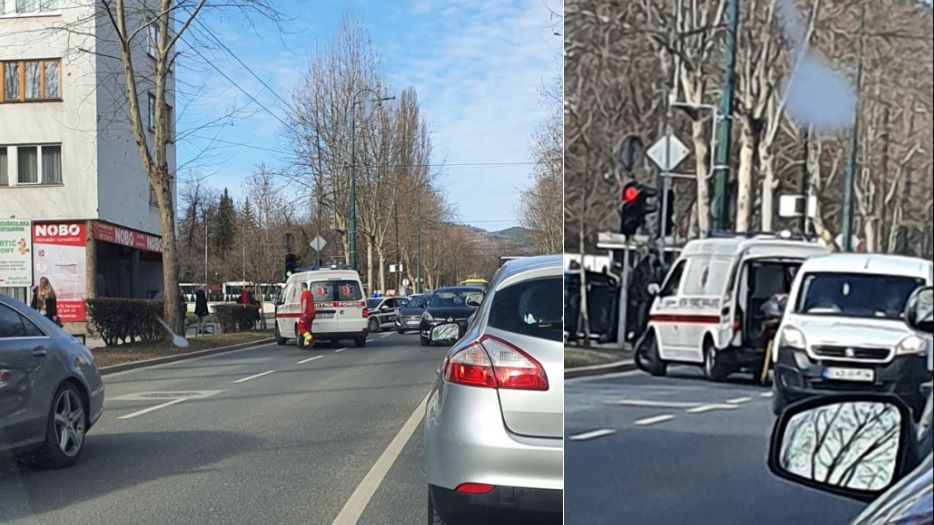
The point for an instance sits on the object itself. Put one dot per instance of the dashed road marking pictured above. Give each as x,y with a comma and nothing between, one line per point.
710,407
339,350
303,361
153,408
653,420
739,400
254,376
593,434
654,404
766,394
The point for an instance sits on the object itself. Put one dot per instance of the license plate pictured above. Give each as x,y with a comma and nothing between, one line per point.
864,375
325,315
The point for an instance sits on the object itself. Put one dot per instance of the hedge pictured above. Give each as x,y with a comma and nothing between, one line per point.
126,320
236,317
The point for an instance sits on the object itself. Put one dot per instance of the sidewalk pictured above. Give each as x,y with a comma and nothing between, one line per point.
596,360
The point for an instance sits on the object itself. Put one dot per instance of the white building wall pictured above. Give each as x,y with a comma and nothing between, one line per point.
71,122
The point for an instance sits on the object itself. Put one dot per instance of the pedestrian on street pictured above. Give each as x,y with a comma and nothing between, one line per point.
306,318
43,300
201,308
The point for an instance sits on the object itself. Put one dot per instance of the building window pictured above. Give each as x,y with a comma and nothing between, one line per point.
31,80
26,7
4,177
152,40
34,165
152,112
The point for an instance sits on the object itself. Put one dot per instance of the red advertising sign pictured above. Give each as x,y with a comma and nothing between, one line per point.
126,237
59,255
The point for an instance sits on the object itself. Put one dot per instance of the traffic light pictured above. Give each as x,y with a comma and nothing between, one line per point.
291,264
636,201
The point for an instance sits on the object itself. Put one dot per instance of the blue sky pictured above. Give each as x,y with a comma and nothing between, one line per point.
478,66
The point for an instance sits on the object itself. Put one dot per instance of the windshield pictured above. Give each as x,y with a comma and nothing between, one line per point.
530,308
372,303
336,290
417,302
453,298
868,296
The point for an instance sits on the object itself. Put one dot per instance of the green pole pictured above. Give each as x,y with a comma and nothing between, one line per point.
718,209
353,187
847,216
418,254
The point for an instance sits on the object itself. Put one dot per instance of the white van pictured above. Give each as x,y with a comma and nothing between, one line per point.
708,311
843,330
340,308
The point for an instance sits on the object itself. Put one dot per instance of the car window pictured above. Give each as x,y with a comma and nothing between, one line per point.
336,290
674,280
454,298
31,329
401,303
11,323
418,302
707,276
529,308
869,296
372,304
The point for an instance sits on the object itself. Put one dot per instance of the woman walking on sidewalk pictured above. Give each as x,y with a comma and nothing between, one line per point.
43,299
201,308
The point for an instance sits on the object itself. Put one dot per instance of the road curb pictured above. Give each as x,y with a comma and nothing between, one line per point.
181,357
596,370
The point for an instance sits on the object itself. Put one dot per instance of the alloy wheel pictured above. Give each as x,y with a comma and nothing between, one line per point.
69,422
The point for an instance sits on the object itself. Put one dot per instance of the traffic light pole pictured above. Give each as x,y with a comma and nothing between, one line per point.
719,219
621,329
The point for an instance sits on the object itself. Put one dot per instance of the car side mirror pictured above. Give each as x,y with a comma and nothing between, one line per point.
919,311
474,300
654,289
447,333
854,445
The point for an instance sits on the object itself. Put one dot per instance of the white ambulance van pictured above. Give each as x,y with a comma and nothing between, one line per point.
340,307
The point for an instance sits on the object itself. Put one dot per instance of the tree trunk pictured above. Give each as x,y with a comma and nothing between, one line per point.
170,292
767,164
369,264
584,316
744,175
701,149
381,256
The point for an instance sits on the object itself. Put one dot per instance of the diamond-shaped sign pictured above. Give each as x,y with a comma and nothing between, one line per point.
317,244
668,152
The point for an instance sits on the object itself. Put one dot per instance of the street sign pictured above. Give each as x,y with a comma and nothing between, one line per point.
317,244
405,282
395,268
668,153
790,206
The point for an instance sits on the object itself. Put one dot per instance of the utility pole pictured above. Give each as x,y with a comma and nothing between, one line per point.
847,217
398,258
719,216
418,250
805,178
353,187
204,214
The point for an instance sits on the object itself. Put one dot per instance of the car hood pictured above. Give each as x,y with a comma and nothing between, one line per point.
909,501
454,313
845,331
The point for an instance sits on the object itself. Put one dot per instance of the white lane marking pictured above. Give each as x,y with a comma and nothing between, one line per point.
709,407
165,396
303,361
739,400
353,509
339,350
254,376
766,394
653,420
593,434
654,404
368,339
152,408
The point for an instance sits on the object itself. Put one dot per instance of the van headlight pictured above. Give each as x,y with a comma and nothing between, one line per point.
792,338
911,345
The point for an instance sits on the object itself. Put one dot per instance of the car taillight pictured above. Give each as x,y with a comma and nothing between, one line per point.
494,363
474,488
366,312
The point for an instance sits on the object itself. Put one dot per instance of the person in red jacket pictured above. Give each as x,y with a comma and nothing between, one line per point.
306,317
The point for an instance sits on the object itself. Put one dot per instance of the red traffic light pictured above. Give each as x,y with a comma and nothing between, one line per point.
630,194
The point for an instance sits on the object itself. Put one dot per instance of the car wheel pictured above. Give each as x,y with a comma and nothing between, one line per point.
433,517
65,430
373,325
714,367
359,341
653,361
279,339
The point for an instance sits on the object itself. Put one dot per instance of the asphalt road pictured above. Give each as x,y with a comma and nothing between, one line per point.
656,463
287,446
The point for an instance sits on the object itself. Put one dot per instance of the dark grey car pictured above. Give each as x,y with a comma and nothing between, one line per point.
51,392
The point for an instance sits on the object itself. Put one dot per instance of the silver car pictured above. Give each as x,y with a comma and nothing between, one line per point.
51,392
494,444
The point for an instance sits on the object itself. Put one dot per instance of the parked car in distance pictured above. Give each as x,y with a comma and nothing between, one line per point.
844,330
454,304
383,312
493,428
865,445
410,315
51,392
708,310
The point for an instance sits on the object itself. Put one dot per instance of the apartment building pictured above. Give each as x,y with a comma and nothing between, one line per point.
75,203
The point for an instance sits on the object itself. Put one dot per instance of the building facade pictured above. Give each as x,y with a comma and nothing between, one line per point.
75,201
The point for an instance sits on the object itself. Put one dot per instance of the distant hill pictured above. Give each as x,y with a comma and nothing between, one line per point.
511,241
